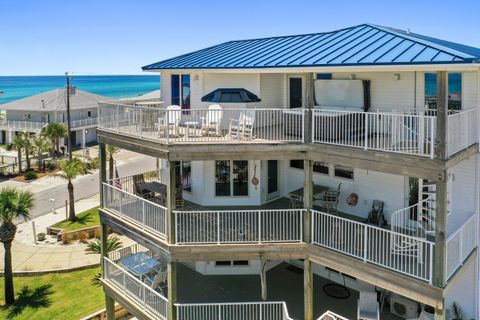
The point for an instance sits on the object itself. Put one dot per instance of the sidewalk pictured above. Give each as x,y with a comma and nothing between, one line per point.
28,257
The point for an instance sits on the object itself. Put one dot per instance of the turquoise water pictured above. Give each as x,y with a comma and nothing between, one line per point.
111,86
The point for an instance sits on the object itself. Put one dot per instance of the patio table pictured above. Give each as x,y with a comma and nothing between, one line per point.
140,264
317,191
156,187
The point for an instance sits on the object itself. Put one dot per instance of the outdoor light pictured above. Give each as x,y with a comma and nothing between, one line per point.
86,131
396,76
353,76
195,77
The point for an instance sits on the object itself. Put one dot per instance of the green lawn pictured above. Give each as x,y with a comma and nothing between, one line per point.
53,296
85,219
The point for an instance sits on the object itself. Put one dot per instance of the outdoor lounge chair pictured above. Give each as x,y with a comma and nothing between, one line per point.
243,127
368,308
212,120
171,120
376,214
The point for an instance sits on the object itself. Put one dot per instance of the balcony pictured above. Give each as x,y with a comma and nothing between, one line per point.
406,246
237,126
411,133
403,132
26,126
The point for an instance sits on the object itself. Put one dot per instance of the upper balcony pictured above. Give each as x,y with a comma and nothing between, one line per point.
400,132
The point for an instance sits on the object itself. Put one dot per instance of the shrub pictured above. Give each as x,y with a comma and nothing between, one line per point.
83,237
30,175
66,238
51,165
41,236
97,233
9,147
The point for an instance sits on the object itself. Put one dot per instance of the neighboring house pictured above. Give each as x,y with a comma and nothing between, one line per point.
31,114
273,193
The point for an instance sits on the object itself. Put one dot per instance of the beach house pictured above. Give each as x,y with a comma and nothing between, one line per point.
31,114
330,175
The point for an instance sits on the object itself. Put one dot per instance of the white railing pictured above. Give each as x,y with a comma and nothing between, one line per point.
127,183
82,122
462,130
233,311
146,214
127,251
329,315
405,254
203,125
239,226
130,286
416,220
384,131
22,125
460,245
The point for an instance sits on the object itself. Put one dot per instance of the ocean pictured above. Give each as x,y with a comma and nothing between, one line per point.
16,87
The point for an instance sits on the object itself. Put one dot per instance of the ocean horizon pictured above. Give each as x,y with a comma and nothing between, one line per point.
112,86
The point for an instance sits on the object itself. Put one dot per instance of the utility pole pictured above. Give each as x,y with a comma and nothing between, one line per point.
69,136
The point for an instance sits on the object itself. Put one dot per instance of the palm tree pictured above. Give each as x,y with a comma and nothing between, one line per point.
95,247
55,132
70,170
111,150
27,146
41,145
18,144
14,204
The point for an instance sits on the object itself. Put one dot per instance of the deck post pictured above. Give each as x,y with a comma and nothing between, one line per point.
102,174
309,103
439,314
307,200
171,194
308,289
172,290
440,261
441,153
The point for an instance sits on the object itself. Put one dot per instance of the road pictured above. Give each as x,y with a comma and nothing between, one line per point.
86,186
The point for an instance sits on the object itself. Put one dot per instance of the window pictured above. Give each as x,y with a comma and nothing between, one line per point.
231,263
89,113
183,172
343,172
231,178
180,90
454,90
324,76
318,167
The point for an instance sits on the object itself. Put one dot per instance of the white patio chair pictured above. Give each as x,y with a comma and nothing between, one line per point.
171,120
243,127
212,120
367,307
157,282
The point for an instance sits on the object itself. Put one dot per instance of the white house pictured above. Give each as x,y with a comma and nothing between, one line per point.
31,114
331,174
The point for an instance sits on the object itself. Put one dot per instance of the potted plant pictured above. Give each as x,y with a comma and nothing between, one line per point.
41,236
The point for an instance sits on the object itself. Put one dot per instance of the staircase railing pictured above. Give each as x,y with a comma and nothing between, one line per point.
416,220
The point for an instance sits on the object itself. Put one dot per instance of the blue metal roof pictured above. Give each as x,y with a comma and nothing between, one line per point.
364,44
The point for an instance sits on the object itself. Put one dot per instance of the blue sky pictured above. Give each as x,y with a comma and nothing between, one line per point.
118,37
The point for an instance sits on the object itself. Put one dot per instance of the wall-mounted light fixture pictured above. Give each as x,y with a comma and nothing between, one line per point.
195,77
353,76
396,76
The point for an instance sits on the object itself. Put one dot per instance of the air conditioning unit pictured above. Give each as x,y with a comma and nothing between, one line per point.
403,307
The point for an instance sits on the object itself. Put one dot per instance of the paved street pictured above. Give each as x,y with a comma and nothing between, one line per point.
86,186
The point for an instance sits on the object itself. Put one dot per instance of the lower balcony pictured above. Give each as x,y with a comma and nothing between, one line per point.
225,294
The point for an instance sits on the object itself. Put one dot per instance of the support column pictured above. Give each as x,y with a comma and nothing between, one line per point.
440,314
83,142
440,261
308,289
171,197
307,200
102,155
441,153
309,103
172,290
